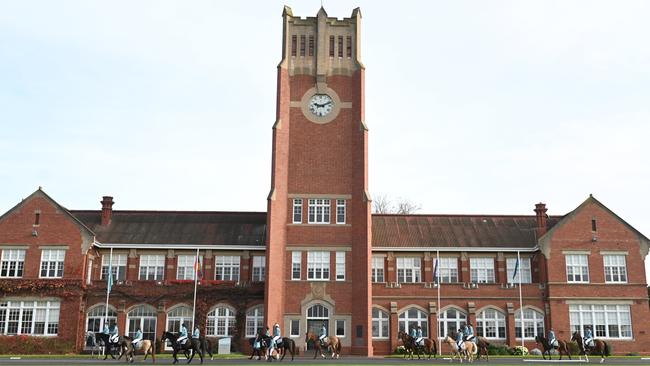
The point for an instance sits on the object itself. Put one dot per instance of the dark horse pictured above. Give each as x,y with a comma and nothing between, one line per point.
562,347
428,346
191,344
600,347
286,345
111,348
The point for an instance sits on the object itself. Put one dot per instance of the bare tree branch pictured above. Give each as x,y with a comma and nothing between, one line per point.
406,207
382,204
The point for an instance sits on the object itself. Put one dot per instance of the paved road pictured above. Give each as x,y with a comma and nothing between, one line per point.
309,361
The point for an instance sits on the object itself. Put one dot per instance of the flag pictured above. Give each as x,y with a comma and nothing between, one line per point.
514,273
198,268
109,280
435,271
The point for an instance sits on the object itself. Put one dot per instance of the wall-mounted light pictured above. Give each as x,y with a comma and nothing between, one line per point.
34,232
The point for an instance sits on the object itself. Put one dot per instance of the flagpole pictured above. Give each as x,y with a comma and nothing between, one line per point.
521,305
196,280
439,305
109,283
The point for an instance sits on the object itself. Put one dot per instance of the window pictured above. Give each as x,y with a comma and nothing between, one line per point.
221,322
185,267
412,318
297,211
259,268
450,321
533,324
348,46
152,267
340,211
177,316
254,320
143,317
295,328
52,263
577,268
118,266
37,218
318,265
607,321
340,266
331,46
340,328
227,268
311,45
29,317
491,324
593,225
340,46
294,45
615,269
95,318
448,270
13,263
319,211
377,269
380,321
408,270
523,270
302,45
482,270
296,265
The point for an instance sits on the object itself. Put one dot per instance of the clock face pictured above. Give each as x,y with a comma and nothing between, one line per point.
321,105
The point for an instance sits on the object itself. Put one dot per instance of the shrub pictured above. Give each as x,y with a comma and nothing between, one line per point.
400,350
498,350
21,344
520,351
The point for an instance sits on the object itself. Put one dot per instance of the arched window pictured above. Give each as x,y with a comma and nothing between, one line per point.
95,318
254,320
380,323
221,321
449,321
413,317
491,324
317,315
533,323
177,316
143,317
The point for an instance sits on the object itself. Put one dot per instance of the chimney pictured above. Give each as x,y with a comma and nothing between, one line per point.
107,210
540,211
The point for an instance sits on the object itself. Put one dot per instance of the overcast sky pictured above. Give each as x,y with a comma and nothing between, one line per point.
473,106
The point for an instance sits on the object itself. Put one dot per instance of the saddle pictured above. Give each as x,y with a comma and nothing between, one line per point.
554,344
278,343
325,341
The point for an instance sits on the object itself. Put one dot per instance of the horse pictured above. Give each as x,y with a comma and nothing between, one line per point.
192,344
110,348
286,345
600,347
562,347
128,350
206,345
330,342
257,349
428,347
482,344
469,352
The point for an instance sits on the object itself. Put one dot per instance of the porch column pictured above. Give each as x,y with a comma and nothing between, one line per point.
433,321
394,328
511,340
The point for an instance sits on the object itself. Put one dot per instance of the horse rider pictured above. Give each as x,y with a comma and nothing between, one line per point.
552,341
459,340
468,333
182,336
413,332
114,333
418,335
588,340
197,333
323,334
106,330
137,339
276,334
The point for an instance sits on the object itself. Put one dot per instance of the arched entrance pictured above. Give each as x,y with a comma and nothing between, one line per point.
316,316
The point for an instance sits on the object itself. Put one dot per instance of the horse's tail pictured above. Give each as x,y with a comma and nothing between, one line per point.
153,351
606,351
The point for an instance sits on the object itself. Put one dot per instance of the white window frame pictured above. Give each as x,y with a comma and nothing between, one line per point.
139,315
152,267
318,266
448,270
377,269
615,266
577,265
175,318
297,211
259,268
254,320
291,329
118,266
13,259
601,318
533,319
98,313
491,319
52,263
185,266
524,270
227,267
482,270
296,265
405,319
340,211
221,320
319,211
380,319
409,269
445,320
27,314
336,328
340,266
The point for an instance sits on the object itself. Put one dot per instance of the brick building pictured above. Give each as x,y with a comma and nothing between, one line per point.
318,255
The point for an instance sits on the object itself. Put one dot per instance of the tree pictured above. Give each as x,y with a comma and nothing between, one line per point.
382,204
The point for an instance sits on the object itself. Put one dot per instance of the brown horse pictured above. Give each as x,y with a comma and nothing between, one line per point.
600,347
562,347
331,342
428,347
469,352
482,344
128,351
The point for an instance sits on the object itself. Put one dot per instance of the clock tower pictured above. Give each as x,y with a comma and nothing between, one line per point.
318,222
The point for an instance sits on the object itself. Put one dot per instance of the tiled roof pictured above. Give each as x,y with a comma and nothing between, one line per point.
489,231
178,227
